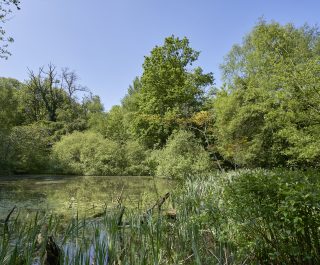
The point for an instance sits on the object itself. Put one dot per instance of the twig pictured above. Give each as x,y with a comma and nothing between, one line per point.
6,221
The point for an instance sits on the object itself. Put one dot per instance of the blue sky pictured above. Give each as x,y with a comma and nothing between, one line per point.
105,41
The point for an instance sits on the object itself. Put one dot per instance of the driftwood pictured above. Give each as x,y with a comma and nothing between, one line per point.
120,197
158,203
170,214
119,205
53,253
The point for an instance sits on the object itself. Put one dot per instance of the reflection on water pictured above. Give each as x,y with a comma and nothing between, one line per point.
69,195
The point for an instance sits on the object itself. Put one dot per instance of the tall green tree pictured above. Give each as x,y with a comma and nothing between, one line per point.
116,127
268,112
170,89
9,116
94,112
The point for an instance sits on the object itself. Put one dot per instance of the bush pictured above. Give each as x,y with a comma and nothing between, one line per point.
274,215
136,159
88,153
26,149
182,156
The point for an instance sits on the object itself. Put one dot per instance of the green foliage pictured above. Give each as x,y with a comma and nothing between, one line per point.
116,126
239,217
182,157
93,108
87,153
168,89
10,114
131,100
144,239
268,113
26,149
273,215
136,158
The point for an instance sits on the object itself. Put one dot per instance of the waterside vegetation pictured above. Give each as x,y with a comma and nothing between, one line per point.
243,217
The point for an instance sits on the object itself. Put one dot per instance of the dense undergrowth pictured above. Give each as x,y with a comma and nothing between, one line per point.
238,217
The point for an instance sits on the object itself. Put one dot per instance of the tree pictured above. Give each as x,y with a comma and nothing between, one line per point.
268,112
94,112
9,113
9,116
169,90
116,127
5,11
130,101
49,92
27,149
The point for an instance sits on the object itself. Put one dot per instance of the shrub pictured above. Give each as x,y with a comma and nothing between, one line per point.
274,215
88,153
136,159
182,156
26,149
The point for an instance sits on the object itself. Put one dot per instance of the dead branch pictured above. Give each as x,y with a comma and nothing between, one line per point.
158,203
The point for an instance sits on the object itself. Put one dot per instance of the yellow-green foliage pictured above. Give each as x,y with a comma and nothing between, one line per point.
26,149
182,156
268,113
87,153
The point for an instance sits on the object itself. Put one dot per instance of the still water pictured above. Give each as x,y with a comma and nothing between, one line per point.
82,195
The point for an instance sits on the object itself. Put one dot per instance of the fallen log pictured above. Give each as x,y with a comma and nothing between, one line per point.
159,203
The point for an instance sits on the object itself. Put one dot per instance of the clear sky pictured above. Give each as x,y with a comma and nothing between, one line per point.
105,41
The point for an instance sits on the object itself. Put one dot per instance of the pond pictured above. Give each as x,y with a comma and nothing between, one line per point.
68,196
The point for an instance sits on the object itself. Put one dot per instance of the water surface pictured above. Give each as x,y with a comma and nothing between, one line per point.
69,195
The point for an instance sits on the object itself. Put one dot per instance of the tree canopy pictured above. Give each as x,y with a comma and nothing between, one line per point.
268,112
170,90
